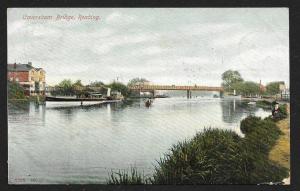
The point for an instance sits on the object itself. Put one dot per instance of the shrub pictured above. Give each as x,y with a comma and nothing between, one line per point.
209,158
222,157
283,110
15,91
249,123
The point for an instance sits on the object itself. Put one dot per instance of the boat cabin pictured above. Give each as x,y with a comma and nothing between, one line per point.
95,95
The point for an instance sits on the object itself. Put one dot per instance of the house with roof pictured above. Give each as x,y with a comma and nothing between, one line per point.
32,79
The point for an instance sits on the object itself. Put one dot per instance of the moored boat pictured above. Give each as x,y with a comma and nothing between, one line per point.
72,99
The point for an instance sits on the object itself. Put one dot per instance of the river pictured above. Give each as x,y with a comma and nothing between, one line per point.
83,144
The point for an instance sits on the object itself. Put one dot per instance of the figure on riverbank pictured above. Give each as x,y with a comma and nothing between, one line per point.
276,112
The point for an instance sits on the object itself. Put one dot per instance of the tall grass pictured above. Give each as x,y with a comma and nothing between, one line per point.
127,177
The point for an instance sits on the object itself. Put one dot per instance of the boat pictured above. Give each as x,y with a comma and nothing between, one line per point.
161,96
148,103
71,99
252,103
92,98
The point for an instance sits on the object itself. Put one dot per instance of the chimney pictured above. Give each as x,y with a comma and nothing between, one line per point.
15,65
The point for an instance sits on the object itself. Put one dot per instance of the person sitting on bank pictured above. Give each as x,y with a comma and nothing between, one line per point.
275,111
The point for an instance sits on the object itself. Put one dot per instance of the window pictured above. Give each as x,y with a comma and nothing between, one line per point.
17,79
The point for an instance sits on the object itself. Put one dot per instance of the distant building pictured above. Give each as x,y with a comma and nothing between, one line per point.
30,78
262,88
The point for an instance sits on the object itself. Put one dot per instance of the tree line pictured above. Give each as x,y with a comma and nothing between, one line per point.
232,80
68,87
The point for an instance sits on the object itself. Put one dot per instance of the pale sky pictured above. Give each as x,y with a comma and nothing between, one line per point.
182,46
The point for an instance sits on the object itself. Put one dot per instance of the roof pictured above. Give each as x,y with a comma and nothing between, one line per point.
20,67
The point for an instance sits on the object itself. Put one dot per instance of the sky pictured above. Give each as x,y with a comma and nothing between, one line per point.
182,46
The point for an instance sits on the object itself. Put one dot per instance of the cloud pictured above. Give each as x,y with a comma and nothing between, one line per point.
163,45
14,27
117,18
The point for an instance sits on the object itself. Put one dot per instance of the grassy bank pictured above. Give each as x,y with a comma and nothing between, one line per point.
280,153
217,156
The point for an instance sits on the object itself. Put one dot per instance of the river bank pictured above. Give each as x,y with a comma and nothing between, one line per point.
280,153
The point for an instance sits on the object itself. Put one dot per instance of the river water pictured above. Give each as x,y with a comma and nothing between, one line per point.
83,144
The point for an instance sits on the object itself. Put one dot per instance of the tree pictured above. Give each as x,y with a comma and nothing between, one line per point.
97,84
272,88
118,86
231,78
249,88
78,84
137,81
15,91
66,87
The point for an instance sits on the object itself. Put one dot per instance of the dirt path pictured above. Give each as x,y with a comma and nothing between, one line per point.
281,151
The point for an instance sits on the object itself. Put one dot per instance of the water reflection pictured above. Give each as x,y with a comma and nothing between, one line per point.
232,110
235,110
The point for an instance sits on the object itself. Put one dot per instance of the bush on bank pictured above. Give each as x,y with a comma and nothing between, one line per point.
217,156
15,91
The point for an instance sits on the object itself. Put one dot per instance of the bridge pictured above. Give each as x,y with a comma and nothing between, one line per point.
153,88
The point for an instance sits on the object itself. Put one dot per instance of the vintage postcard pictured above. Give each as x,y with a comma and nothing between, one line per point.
148,96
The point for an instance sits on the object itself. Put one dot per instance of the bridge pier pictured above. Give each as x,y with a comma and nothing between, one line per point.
153,93
189,94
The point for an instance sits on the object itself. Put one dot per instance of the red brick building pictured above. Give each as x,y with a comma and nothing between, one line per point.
30,78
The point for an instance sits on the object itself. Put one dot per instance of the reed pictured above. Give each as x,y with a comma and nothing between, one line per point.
127,177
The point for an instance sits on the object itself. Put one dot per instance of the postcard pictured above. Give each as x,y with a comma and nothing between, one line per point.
148,96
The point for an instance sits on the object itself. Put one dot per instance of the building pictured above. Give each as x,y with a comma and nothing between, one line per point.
30,78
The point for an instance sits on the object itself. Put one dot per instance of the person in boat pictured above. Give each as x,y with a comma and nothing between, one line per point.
148,102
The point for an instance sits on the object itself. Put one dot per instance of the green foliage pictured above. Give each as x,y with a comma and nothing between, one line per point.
249,123
209,158
136,81
77,84
231,78
272,88
97,84
222,157
283,110
125,177
249,88
260,137
15,91
118,86
66,87
66,83
260,134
